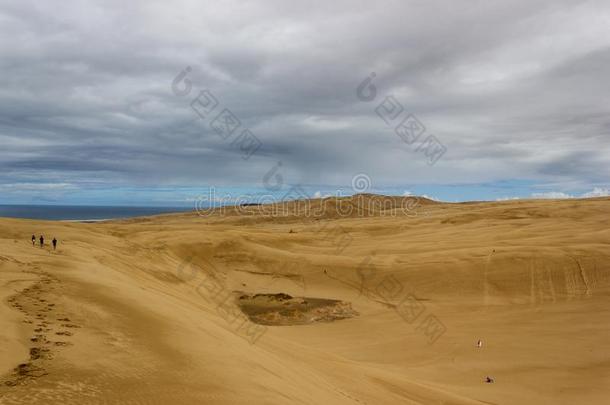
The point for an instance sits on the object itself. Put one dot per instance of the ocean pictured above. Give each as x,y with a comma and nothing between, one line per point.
82,212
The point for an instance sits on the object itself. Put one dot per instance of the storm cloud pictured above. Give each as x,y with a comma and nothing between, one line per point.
513,90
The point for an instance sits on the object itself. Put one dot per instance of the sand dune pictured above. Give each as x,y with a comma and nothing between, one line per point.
146,311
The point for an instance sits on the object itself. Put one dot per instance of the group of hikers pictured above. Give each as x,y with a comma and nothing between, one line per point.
41,240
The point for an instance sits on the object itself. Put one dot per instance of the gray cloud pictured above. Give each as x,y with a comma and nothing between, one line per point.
515,90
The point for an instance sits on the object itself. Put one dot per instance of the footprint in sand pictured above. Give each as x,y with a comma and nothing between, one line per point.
29,370
39,352
62,343
37,311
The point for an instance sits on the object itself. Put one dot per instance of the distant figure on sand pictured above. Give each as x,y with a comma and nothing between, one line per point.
479,344
489,380
54,243
41,241
33,240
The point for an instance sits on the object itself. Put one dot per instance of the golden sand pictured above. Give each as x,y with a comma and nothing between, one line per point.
146,311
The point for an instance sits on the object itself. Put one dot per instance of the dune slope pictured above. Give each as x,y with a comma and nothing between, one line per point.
146,310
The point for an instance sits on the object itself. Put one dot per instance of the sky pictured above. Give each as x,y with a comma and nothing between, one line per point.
158,103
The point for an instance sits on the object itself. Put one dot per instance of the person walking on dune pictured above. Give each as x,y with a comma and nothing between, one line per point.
41,241
54,243
33,240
